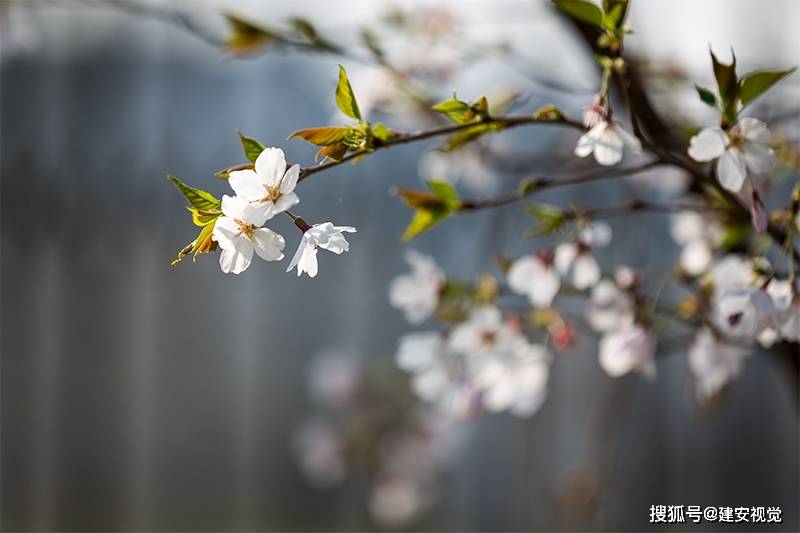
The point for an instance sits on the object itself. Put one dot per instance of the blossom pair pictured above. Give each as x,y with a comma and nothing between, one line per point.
539,276
262,193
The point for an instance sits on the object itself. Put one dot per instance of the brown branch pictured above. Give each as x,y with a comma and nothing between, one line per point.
505,122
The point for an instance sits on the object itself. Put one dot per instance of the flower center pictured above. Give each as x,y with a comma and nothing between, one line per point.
271,194
488,337
245,229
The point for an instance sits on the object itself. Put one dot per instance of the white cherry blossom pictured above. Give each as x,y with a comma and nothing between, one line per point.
742,147
606,140
239,234
713,363
511,372
270,185
438,374
698,237
535,276
609,308
319,448
417,293
326,236
628,349
785,321
575,258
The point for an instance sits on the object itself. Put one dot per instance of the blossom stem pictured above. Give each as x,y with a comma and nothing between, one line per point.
530,186
505,122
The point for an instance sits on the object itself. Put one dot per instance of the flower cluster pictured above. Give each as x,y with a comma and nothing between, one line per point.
261,193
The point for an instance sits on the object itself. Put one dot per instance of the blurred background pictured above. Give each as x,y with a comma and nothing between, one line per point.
140,396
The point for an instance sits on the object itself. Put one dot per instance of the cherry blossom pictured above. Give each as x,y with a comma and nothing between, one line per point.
239,234
417,293
784,323
511,372
438,374
575,258
698,236
609,308
606,140
742,147
535,277
270,184
320,451
334,377
628,349
713,363
326,236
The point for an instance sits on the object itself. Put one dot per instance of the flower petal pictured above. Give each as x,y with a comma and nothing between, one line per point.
235,261
268,244
608,148
285,201
752,129
731,169
289,181
564,256
271,166
586,271
247,184
760,158
708,144
225,232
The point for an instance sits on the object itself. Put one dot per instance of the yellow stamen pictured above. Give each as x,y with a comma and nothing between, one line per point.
245,229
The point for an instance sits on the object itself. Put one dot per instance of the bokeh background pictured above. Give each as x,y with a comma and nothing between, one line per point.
140,396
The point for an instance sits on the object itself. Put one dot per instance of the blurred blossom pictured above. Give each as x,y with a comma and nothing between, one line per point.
334,377
438,375
713,363
698,236
319,450
536,277
609,308
575,258
740,308
628,349
606,140
417,293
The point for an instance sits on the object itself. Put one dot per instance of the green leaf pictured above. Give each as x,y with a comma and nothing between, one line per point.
324,136
550,218
382,132
615,11
456,110
756,83
201,217
203,244
252,148
581,10
423,220
197,198
548,112
345,98
443,190
247,37
728,87
430,208
456,141
706,95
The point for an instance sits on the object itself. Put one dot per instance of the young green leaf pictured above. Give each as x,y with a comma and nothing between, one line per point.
756,83
422,220
581,10
728,87
615,11
201,217
203,244
430,208
457,140
252,147
382,132
706,95
246,37
444,190
197,198
345,98
324,136
456,110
